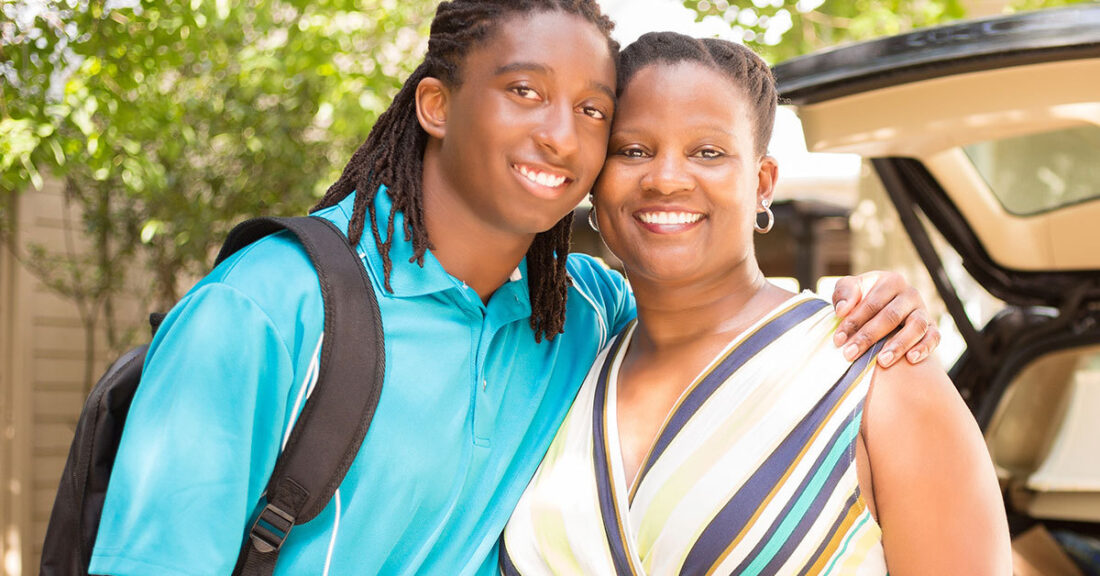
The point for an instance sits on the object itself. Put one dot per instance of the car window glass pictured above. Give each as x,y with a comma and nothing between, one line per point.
1040,172
879,242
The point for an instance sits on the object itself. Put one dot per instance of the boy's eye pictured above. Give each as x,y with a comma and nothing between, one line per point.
525,92
593,112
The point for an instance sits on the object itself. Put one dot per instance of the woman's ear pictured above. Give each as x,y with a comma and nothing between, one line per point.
766,176
432,100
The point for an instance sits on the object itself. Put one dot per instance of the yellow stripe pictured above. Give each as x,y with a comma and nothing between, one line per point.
858,550
552,540
679,483
790,469
838,536
687,391
762,403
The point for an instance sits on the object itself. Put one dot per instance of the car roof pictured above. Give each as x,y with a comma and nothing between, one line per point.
985,44
937,96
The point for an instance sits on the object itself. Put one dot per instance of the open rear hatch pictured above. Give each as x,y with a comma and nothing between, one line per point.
987,133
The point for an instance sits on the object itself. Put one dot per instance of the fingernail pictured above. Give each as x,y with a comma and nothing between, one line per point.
851,351
886,358
839,339
840,304
914,356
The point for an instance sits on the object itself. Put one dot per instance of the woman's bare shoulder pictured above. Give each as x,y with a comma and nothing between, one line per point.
935,489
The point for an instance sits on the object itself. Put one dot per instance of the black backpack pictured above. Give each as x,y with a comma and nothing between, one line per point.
322,445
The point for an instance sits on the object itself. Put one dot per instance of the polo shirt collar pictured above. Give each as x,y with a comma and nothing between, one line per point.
407,278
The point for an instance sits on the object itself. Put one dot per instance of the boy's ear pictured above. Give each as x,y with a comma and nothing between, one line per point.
432,102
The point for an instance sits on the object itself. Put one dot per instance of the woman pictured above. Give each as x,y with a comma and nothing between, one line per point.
723,434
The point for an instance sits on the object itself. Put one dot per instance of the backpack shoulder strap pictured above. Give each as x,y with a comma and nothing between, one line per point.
334,421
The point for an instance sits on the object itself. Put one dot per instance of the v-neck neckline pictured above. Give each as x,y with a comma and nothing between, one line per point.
739,351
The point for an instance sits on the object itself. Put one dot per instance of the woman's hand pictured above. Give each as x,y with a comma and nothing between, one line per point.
873,305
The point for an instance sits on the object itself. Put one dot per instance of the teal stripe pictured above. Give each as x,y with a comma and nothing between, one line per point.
847,541
803,503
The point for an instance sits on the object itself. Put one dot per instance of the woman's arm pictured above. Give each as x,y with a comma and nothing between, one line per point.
933,484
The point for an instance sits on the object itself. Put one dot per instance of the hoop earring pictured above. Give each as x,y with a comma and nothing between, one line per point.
592,219
771,218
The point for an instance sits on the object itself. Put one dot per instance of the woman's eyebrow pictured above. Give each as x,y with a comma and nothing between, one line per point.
543,69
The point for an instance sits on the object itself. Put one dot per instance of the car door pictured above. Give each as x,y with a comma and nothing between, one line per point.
985,137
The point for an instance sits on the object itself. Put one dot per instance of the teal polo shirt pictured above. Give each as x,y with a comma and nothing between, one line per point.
468,408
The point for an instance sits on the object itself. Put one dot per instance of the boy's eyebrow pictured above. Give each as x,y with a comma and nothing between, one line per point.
543,69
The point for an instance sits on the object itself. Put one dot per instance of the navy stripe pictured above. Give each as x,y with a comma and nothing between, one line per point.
812,513
733,361
604,489
507,568
734,516
832,530
842,465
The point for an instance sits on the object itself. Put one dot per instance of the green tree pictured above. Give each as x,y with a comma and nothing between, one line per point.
170,121
782,29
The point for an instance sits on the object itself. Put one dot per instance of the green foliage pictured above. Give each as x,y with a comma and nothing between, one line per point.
172,120
782,29
1025,5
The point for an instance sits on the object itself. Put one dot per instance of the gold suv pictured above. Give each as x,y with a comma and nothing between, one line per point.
985,136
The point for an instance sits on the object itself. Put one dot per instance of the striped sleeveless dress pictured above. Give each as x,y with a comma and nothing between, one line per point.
753,471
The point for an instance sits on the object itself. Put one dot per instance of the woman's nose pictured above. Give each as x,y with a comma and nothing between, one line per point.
668,176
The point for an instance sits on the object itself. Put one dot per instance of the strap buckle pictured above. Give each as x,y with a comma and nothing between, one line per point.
270,529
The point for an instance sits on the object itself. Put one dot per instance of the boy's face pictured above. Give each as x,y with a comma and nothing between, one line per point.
525,132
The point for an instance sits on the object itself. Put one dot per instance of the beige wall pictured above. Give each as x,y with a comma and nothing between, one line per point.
42,362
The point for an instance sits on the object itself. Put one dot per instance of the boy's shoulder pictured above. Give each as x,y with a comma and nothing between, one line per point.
603,289
275,270
590,274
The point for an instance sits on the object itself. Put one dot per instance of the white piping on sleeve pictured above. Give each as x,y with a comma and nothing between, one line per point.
306,389
599,315
335,530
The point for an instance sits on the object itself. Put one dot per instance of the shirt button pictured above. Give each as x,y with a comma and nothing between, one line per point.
484,384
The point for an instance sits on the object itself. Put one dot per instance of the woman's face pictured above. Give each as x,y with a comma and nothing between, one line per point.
679,192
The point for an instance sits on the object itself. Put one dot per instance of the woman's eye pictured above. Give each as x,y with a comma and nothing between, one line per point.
632,152
709,153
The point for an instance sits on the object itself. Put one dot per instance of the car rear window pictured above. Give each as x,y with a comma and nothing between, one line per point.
1041,172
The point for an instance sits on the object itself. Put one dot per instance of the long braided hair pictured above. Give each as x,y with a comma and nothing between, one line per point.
393,153
740,64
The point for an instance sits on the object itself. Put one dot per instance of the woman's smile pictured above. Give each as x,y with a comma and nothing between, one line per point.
669,220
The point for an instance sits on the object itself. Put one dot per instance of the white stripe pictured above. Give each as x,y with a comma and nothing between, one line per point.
335,530
305,390
599,316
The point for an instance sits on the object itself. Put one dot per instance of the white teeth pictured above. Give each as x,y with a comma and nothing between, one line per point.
669,217
542,178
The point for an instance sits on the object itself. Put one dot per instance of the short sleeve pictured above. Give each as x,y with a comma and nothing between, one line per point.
607,289
200,440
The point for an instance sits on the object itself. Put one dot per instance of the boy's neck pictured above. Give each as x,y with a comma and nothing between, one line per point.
482,257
